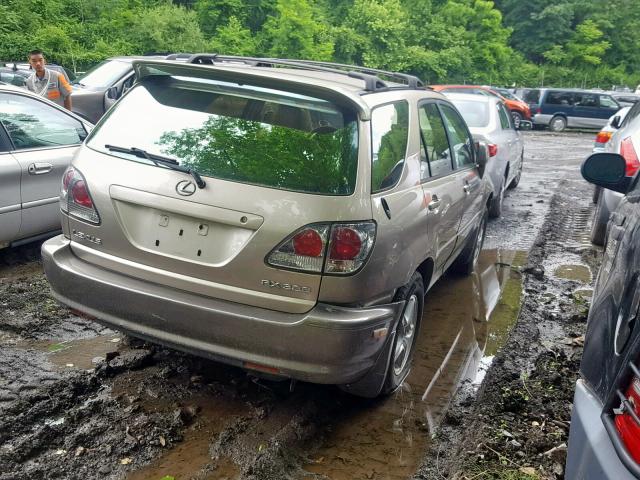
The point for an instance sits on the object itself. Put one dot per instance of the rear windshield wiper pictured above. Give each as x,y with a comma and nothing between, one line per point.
159,160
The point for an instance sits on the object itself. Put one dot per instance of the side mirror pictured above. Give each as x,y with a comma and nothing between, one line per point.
607,170
482,156
616,122
525,125
112,93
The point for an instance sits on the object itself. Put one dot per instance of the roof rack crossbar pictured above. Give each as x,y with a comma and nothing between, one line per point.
372,82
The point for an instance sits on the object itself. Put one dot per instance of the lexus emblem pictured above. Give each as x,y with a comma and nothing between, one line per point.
186,188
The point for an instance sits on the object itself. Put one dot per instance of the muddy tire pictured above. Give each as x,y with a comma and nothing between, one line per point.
468,258
558,124
516,180
599,224
596,193
406,333
495,206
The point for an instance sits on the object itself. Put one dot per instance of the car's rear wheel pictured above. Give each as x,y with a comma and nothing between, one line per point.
406,333
468,258
596,193
516,180
495,207
517,118
558,124
599,225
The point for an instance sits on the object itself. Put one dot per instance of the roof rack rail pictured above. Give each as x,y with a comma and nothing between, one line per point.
373,83
177,56
411,80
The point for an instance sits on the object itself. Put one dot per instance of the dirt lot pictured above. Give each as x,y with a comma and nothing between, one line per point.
80,401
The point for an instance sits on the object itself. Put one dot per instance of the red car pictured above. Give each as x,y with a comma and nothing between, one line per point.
519,109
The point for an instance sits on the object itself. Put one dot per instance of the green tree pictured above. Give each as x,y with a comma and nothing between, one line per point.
297,30
234,39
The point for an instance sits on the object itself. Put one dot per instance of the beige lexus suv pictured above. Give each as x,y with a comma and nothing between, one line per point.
283,216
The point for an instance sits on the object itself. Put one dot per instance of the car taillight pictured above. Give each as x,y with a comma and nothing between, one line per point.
603,137
539,110
75,198
630,156
627,419
493,150
340,248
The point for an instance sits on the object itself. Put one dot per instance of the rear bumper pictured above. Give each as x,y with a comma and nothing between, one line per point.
591,454
541,119
328,344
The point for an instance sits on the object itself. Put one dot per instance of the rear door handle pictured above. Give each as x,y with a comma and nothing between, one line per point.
39,168
434,204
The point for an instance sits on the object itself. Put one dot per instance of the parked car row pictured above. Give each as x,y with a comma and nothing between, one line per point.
605,421
247,198
244,197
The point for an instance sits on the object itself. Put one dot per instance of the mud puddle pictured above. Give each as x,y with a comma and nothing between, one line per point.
83,353
580,273
568,266
465,321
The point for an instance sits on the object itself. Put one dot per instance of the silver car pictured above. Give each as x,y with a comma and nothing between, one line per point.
99,88
37,141
623,140
490,122
286,217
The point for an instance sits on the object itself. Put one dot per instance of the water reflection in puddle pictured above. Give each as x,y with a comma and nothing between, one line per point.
465,321
81,353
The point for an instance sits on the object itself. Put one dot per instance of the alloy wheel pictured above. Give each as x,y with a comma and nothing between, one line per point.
404,335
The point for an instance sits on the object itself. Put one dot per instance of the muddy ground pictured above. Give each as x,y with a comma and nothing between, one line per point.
80,401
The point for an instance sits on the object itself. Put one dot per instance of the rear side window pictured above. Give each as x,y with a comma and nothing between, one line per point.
437,160
585,100
631,114
239,133
559,98
34,124
389,130
459,137
504,117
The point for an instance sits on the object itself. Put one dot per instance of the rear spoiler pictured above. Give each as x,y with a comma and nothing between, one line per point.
262,77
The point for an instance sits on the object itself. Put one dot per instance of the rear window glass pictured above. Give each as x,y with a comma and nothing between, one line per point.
531,96
476,114
239,133
105,74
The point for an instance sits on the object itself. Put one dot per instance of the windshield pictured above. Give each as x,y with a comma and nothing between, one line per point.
237,132
105,74
475,114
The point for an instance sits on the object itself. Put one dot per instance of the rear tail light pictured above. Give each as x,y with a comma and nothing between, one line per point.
493,150
340,248
627,417
75,198
539,110
630,156
603,137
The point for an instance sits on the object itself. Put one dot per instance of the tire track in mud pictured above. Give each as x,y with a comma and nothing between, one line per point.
519,424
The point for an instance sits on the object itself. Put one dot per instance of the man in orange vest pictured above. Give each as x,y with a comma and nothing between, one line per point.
48,83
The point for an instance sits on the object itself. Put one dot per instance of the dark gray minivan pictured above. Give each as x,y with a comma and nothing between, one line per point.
561,108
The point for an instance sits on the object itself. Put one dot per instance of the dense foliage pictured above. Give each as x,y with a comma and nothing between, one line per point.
562,42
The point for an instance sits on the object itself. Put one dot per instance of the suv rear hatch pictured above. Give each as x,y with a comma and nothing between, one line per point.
273,161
